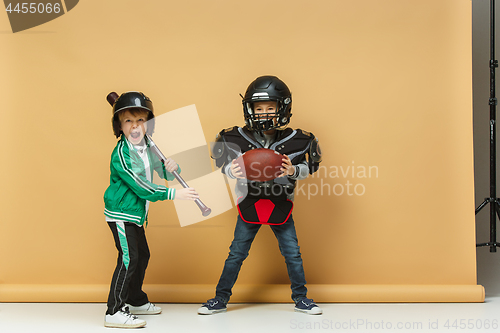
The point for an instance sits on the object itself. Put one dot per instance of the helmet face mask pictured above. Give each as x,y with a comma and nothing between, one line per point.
261,120
267,88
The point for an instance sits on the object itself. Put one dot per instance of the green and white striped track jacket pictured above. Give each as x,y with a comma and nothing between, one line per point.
125,198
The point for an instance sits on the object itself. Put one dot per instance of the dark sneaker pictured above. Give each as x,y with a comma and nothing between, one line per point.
214,305
307,305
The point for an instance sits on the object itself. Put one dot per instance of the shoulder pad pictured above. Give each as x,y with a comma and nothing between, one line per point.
217,147
229,129
285,132
315,151
306,133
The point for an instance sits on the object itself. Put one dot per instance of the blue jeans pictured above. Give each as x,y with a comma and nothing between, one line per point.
244,234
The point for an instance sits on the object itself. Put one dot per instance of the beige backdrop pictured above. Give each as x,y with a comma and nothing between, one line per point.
385,85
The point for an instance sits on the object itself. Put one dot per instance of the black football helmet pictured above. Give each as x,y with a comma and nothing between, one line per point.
132,100
267,88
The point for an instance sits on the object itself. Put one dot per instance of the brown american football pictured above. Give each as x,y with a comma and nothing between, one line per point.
260,164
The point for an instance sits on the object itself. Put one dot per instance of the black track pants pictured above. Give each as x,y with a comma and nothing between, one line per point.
133,258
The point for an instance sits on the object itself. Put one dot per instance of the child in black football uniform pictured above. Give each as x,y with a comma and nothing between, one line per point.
267,108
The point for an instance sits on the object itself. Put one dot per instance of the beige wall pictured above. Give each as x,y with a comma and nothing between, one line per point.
385,84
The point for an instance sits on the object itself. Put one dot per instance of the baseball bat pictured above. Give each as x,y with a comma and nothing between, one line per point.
205,211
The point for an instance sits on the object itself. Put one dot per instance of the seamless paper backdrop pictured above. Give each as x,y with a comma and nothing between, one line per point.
385,85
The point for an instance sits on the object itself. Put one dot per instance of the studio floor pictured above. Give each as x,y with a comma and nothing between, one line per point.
262,318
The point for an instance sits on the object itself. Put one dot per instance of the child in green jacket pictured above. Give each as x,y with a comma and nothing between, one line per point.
126,207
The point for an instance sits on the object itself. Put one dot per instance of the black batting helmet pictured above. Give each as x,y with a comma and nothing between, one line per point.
127,101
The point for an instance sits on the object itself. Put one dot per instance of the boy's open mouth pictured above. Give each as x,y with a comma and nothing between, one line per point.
135,135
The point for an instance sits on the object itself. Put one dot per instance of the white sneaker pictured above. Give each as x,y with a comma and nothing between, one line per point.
146,309
123,319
